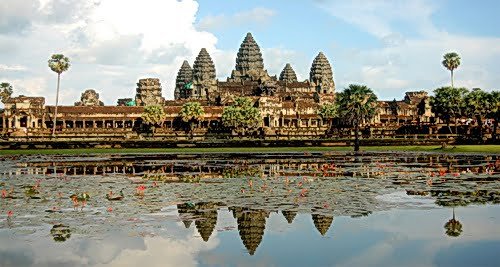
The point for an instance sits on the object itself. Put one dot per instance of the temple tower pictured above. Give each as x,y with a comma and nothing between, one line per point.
321,75
149,92
89,98
249,62
204,82
288,74
184,81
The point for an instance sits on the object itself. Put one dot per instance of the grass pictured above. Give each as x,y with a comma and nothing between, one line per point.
457,149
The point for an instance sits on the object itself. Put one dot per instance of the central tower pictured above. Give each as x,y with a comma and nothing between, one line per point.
249,62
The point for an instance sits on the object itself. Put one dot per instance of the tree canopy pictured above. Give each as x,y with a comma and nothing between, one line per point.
448,102
191,111
242,116
153,115
6,91
58,63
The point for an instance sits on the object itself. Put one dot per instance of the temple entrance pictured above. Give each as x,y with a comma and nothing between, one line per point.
266,122
23,122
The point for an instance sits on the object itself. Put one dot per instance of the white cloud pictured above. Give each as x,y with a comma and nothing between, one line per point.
257,15
111,43
12,67
412,62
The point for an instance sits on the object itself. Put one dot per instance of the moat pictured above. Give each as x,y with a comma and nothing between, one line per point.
250,209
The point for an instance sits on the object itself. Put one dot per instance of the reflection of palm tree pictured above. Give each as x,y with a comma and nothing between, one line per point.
289,215
60,232
207,219
186,210
322,223
453,227
251,226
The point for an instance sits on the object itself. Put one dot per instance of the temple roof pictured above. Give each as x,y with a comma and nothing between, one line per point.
203,67
249,55
185,73
288,74
321,69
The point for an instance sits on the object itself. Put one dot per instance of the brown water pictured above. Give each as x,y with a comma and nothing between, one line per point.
287,209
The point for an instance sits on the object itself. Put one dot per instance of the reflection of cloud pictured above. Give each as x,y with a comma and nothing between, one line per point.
114,249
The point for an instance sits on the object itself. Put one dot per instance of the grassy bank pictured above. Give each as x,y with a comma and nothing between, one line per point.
457,149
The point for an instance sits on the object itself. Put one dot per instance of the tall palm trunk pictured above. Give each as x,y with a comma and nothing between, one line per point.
57,103
356,136
480,125
451,79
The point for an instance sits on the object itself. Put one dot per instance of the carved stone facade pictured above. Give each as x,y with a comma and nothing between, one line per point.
149,92
288,74
321,75
89,98
184,82
249,62
288,107
204,82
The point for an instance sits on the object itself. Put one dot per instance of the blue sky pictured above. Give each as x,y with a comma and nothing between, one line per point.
391,46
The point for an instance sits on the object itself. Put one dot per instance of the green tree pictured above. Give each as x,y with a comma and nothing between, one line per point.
494,111
357,103
448,103
328,112
6,91
58,63
153,116
477,104
242,116
192,113
453,227
451,61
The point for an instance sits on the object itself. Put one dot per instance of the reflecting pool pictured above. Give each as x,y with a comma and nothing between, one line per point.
238,209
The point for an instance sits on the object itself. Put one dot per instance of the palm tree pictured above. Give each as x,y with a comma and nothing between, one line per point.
357,103
494,112
451,61
477,105
453,227
153,116
58,63
191,112
6,91
447,103
242,116
328,112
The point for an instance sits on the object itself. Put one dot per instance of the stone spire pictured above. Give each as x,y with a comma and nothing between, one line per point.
204,82
249,62
321,75
289,215
185,213
288,74
251,226
148,92
90,98
322,222
207,219
184,76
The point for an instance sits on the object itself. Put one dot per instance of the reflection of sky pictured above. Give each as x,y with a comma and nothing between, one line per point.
389,238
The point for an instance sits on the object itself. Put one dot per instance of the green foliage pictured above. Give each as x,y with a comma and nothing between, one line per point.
191,111
357,103
453,228
328,111
153,115
58,63
242,116
6,91
494,105
451,61
477,103
448,102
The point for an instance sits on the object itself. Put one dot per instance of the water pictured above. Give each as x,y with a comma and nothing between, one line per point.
288,209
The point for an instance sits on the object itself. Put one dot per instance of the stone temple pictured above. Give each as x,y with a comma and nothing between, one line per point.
288,106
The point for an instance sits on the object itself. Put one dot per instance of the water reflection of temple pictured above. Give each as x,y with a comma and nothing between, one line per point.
251,226
206,214
322,222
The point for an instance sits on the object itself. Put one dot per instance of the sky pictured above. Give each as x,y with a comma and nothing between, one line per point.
390,46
